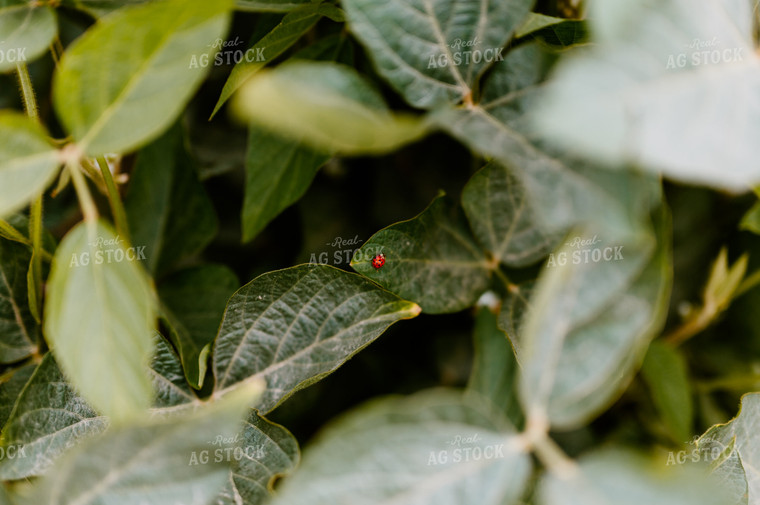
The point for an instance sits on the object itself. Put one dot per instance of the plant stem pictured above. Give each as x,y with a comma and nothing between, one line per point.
536,437
114,199
35,266
11,233
27,91
89,209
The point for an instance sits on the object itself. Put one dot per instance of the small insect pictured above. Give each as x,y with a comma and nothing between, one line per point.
378,260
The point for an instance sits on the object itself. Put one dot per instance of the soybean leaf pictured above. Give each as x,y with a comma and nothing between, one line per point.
431,259
169,384
292,327
102,303
263,452
48,418
726,466
741,432
278,172
494,369
99,8
27,161
11,389
514,308
19,331
564,190
336,47
427,50
590,324
327,106
435,447
295,23
138,60
627,478
555,31
502,219
666,373
170,215
147,463
627,99
26,31
193,302
535,22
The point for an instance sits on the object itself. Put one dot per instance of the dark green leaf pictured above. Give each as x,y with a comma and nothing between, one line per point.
193,304
170,215
11,389
278,173
19,331
292,327
431,260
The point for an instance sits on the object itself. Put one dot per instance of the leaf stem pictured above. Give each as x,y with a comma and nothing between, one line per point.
536,437
89,209
114,199
27,91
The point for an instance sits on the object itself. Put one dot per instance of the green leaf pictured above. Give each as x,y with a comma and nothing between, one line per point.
742,433
502,219
193,304
19,331
435,447
514,309
535,22
554,31
591,323
751,220
99,8
727,467
666,373
101,304
295,23
278,173
292,327
48,418
494,369
11,389
147,463
268,451
627,478
419,45
336,47
139,60
431,259
327,106
26,32
627,99
28,163
169,384
170,215
270,5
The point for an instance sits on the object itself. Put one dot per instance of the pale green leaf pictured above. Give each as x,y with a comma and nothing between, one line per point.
435,447
170,215
99,8
563,189
26,32
101,304
278,172
590,324
431,259
193,302
666,88
139,60
27,161
502,219
19,331
292,327
147,463
666,374
421,46
327,106
628,478
267,452
295,23
743,428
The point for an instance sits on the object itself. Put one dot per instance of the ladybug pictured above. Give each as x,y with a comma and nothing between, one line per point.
378,261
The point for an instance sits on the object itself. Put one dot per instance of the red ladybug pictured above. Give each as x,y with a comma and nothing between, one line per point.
378,260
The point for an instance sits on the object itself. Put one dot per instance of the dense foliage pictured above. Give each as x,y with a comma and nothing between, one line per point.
539,215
